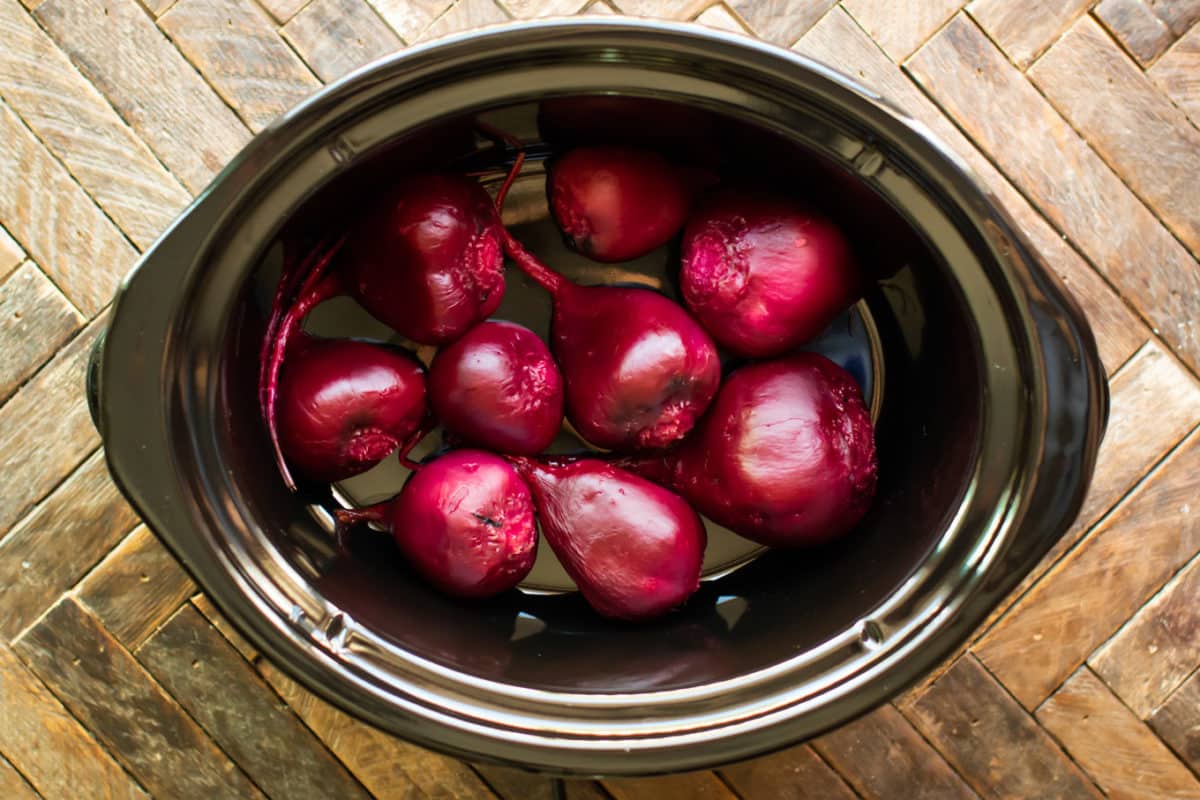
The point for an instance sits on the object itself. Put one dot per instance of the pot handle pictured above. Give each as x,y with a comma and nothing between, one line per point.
92,381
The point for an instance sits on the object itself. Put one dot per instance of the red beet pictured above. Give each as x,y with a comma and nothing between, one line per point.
785,457
764,274
464,520
617,203
633,548
639,370
498,387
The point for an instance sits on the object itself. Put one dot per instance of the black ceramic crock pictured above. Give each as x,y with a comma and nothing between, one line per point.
990,402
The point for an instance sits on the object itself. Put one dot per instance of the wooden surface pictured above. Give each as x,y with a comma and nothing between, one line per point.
118,680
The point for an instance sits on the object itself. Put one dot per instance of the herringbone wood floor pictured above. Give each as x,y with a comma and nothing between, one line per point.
117,678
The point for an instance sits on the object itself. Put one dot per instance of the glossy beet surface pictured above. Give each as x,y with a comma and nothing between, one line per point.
785,457
763,274
427,261
344,405
633,548
498,387
617,203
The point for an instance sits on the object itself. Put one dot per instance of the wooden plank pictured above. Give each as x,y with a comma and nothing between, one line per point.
465,15
236,47
117,47
780,21
1035,146
1178,73
156,7
387,766
48,745
11,254
600,9
1086,596
35,319
1117,750
516,784
1118,110
1178,722
53,547
901,26
882,756
531,9
992,742
797,773
662,9
839,41
79,126
114,696
63,229
1156,650
13,785
1180,15
722,19
224,627
696,785
243,715
337,36
1136,27
410,18
45,429
1025,28
136,588
281,10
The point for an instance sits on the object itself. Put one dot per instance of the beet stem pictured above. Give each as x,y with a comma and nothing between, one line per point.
532,266
290,276
424,429
346,519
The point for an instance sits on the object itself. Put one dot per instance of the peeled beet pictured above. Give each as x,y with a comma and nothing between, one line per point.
634,549
617,203
764,274
498,387
344,405
785,457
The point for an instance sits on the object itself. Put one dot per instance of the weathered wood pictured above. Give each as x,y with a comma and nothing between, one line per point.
1156,650
243,715
797,773
47,744
662,9
1036,148
992,742
882,756
1117,750
1117,109
530,9
79,126
387,766
1024,28
900,27
1178,73
697,785
11,254
237,49
1178,722
157,7
780,21
102,685
150,84
64,230
136,588
282,10
223,626
1096,587
722,19
515,784
600,9
1180,15
1136,27
45,429
465,15
13,785
410,18
35,319
336,36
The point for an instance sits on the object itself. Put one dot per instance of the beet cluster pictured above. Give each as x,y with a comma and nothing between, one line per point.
777,445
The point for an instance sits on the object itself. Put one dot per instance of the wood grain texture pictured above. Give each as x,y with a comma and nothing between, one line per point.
45,429
224,627
149,83
722,19
136,587
882,756
237,49
531,9
465,15
13,785
336,36
1117,110
410,18
662,9
992,741
11,254
797,773
780,21
1036,147
1113,745
901,26
35,319
49,746
282,10
103,686
1100,584
216,686
387,766
74,120
1136,27
698,785
516,784
63,229
1178,73
1180,15
1158,648
1024,28
1178,722
156,7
